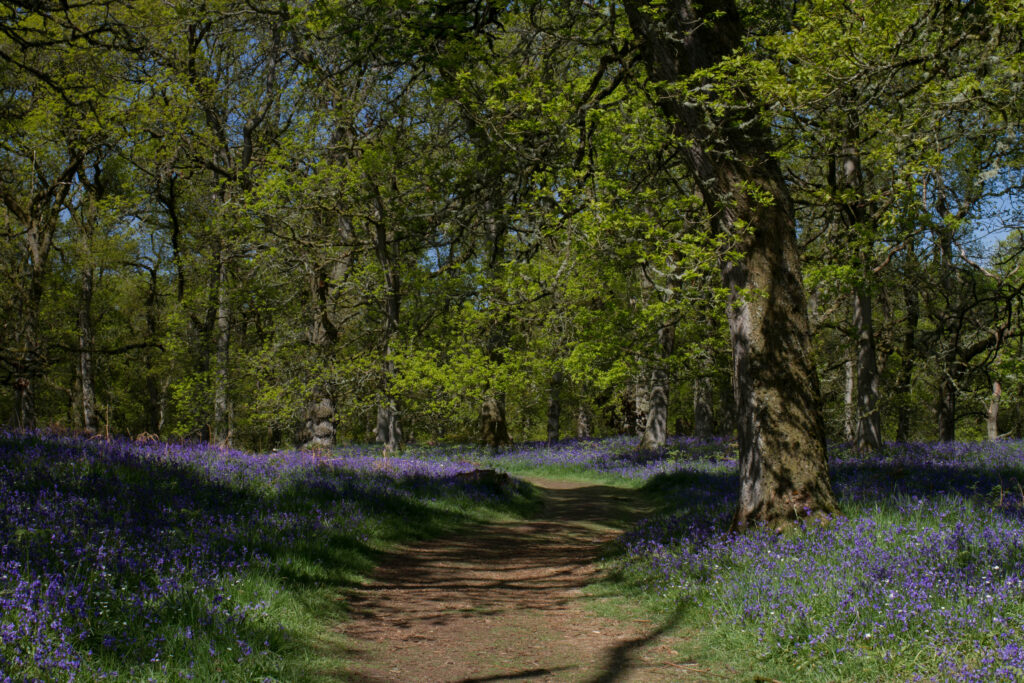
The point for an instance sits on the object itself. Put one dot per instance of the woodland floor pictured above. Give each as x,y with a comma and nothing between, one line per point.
505,602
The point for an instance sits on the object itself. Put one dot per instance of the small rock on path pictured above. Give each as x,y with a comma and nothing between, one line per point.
503,602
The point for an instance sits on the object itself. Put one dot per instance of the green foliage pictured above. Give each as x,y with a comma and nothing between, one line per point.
256,191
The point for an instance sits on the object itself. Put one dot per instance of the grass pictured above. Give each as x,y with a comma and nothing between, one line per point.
164,563
168,563
922,578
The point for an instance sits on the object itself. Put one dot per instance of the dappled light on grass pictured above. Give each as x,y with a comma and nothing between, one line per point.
922,578
141,560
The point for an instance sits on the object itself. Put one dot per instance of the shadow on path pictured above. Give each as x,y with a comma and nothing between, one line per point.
503,602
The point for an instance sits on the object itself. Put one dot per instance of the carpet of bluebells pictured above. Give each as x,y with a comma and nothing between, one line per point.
922,578
116,557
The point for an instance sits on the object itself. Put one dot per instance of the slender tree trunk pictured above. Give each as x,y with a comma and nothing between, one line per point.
783,472
29,362
869,422
85,346
727,408
656,425
222,327
24,402
849,403
641,406
388,431
703,409
555,406
906,371
389,428
155,384
949,389
849,181
992,418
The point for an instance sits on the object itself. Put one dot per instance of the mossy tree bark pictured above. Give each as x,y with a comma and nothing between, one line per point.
783,472
656,424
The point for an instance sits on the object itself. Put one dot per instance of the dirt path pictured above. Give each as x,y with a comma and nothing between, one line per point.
503,603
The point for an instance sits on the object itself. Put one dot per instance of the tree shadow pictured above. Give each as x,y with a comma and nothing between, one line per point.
620,659
157,533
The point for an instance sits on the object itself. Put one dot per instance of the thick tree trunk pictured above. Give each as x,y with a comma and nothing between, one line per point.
703,409
906,371
85,346
783,472
493,425
869,420
319,431
656,424
783,469
389,430
222,327
992,418
320,424
555,406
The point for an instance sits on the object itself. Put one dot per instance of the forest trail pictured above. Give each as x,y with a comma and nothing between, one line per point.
504,602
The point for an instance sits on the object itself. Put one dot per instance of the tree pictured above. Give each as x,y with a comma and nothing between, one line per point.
781,432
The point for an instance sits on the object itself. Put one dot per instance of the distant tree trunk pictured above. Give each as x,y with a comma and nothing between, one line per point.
493,424
848,181
656,424
155,386
783,472
221,401
992,418
906,371
641,406
85,346
28,364
727,408
389,429
703,410
319,422
869,423
583,428
849,403
319,428
555,406
949,389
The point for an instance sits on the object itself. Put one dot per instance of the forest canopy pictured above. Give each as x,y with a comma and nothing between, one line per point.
308,222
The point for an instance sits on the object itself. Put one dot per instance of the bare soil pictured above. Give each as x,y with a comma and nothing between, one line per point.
504,602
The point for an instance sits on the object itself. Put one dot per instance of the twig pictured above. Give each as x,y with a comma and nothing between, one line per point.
694,668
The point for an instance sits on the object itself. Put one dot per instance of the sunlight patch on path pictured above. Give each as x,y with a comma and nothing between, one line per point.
504,602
